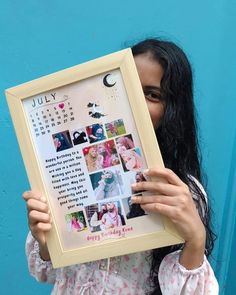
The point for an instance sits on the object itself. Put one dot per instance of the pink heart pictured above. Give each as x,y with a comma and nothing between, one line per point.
61,105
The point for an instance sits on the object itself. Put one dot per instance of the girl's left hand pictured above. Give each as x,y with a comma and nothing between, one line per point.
171,197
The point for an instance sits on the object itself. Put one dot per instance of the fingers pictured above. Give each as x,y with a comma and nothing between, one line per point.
169,211
39,227
38,211
154,200
37,217
164,173
170,197
159,188
33,195
39,231
38,205
166,183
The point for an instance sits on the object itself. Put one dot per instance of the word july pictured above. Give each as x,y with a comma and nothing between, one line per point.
43,100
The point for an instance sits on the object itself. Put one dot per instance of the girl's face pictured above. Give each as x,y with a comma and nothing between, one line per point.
57,142
101,148
99,131
110,207
127,155
150,74
93,152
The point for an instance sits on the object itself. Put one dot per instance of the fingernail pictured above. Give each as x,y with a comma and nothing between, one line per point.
43,199
145,171
134,199
25,194
133,185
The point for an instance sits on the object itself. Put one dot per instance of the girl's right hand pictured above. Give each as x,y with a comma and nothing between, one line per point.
39,220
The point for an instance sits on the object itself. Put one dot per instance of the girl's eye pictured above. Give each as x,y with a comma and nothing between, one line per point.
152,96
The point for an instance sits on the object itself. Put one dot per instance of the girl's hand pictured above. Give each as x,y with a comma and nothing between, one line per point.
171,197
39,220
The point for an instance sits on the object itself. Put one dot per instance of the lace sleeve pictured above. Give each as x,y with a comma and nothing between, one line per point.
40,269
176,279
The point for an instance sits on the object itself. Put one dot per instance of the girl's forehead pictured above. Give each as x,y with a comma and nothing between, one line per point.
149,70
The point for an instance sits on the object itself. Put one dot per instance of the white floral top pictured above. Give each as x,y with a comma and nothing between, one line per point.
125,275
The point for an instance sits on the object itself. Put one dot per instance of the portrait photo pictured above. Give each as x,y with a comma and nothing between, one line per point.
115,128
79,136
105,216
131,159
95,133
75,221
124,143
100,156
132,210
62,141
107,183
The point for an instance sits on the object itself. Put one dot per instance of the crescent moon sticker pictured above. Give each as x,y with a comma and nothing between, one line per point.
106,81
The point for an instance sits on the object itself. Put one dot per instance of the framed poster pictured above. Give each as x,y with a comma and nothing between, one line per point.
86,135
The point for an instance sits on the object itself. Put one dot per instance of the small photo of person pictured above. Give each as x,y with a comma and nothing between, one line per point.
105,216
79,136
94,215
93,159
124,143
75,221
107,184
132,210
131,160
100,156
95,133
62,140
139,177
113,217
115,128
108,151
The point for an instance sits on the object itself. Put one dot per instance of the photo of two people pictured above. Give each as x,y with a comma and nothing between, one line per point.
105,216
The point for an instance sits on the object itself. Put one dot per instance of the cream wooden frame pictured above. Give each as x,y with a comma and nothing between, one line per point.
124,61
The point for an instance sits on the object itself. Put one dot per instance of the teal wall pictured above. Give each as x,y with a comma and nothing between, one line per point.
40,37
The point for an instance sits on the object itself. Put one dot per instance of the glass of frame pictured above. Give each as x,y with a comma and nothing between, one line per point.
86,135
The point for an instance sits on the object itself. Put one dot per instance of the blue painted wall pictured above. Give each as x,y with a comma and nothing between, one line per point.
40,37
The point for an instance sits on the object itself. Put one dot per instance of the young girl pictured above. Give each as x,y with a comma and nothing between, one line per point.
97,133
166,79
76,224
93,159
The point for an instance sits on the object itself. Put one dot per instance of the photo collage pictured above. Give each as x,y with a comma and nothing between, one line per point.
111,156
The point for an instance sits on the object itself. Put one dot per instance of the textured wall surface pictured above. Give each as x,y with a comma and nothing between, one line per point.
41,37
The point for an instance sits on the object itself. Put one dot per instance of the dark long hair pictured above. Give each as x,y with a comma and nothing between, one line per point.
176,134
